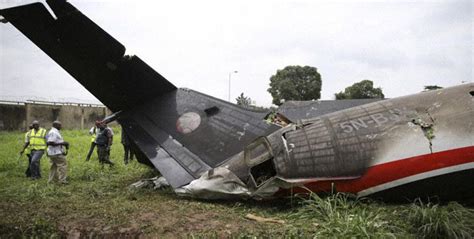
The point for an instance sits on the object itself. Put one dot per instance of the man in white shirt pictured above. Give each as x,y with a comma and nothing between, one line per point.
57,154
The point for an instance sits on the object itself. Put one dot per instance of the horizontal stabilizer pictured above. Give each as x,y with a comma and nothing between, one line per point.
185,133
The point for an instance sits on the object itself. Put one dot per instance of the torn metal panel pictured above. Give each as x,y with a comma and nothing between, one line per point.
155,183
218,183
221,183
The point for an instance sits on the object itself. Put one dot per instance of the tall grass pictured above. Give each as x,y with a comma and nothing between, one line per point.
430,220
342,216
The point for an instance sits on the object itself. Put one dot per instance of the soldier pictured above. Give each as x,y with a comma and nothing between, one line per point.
126,147
57,154
103,142
37,143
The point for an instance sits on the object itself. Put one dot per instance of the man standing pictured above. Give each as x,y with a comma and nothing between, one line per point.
93,133
37,143
27,151
57,154
126,147
103,141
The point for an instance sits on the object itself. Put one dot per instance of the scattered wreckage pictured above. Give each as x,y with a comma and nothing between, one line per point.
403,148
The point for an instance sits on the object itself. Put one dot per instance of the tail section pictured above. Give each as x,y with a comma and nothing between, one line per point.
181,132
89,54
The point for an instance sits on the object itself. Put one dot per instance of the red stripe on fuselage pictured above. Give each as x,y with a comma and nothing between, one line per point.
387,172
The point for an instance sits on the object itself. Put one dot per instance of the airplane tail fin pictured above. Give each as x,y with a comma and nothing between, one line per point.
89,54
181,132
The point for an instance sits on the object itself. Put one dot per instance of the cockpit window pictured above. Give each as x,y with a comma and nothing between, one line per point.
257,152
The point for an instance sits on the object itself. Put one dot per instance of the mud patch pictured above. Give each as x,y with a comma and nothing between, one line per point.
90,229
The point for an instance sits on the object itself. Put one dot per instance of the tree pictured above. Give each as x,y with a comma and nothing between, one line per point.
432,87
295,83
361,90
243,100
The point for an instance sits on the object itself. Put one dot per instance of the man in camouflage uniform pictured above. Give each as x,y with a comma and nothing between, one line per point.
103,141
128,152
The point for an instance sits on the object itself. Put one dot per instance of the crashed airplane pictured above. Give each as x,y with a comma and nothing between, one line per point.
420,145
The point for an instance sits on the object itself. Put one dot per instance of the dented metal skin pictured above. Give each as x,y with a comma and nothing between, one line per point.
379,148
399,149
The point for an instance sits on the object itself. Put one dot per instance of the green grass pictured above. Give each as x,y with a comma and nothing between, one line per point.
435,221
346,217
98,202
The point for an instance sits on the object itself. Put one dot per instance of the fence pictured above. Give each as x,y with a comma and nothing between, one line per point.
18,115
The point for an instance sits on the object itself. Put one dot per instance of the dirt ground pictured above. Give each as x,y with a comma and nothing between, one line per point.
144,214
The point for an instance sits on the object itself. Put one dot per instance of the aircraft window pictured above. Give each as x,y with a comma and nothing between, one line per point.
257,152
472,93
211,111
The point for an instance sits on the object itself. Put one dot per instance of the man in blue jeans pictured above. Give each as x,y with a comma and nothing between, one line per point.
37,143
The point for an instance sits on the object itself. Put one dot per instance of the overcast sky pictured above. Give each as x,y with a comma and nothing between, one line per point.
400,45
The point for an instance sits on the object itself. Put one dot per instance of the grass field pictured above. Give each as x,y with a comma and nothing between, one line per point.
99,203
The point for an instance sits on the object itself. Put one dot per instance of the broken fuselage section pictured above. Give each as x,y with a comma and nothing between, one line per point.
404,148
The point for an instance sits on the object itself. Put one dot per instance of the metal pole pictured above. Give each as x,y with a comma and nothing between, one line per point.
228,98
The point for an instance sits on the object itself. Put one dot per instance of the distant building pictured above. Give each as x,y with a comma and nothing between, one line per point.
16,115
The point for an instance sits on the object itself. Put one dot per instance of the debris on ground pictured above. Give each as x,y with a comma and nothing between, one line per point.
155,183
263,219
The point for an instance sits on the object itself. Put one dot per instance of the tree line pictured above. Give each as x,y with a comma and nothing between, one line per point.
304,83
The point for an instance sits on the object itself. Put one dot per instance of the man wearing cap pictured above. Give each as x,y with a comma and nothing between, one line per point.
104,142
57,154
36,141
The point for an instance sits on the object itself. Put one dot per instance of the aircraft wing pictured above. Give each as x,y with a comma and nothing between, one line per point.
181,132
197,131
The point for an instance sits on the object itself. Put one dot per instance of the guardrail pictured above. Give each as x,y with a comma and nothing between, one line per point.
9,102
42,102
